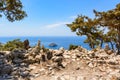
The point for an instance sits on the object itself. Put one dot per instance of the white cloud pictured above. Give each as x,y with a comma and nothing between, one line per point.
55,25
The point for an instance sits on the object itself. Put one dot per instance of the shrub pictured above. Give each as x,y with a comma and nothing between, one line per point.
10,45
1,46
72,47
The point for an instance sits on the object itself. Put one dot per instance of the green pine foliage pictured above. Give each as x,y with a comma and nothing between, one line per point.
12,9
94,29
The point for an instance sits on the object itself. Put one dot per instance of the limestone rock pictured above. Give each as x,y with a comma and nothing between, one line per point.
91,65
36,49
66,56
107,47
60,78
61,48
49,55
7,69
18,53
43,58
24,73
57,59
109,52
17,61
78,55
32,67
26,44
59,53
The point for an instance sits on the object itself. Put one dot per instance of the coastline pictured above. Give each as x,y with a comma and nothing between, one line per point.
61,41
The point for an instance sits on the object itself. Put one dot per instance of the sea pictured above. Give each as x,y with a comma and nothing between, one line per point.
60,41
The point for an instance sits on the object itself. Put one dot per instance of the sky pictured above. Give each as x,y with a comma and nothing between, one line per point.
49,17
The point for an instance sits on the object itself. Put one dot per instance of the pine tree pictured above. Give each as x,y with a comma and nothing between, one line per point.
12,9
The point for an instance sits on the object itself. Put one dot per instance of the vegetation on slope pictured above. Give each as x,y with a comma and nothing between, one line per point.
94,28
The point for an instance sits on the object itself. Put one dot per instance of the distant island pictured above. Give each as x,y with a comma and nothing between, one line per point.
53,45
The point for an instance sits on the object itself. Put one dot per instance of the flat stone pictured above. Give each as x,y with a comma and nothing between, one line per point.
24,74
66,56
32,67
90,65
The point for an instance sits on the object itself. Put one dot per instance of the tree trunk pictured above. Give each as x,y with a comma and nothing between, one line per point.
118,43
112,45
101,43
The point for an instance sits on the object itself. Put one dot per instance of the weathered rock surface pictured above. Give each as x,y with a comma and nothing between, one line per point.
26,44
61,64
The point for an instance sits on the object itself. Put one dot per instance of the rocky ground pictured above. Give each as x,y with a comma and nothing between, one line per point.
41,64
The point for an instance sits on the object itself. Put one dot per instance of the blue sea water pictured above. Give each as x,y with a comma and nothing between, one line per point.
60,41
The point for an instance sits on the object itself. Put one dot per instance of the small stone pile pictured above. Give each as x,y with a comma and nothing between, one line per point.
5,67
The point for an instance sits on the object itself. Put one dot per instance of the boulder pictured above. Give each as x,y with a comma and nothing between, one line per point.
7,69
18,53
58,59
24,74
78,55
110,52
8,55
43,58
37,58
62,49
17,60
59,53
49,55
26,44
66,56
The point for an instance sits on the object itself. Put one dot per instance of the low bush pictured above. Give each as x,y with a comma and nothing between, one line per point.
72,47
10,45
